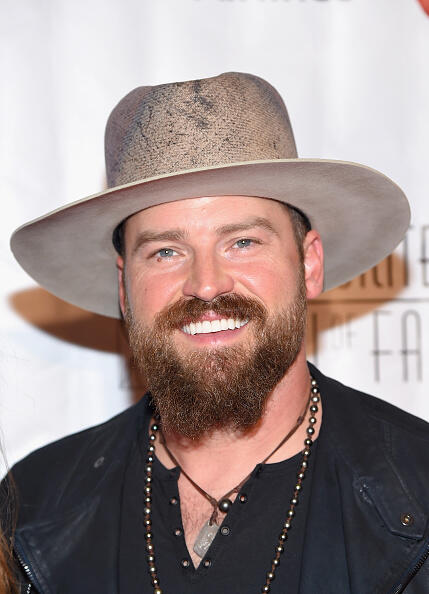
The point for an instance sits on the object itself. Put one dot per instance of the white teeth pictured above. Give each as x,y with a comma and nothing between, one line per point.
207,326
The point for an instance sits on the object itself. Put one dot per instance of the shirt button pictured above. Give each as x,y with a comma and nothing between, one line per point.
243,498
225,530
178,532
185,562
207,562
174,501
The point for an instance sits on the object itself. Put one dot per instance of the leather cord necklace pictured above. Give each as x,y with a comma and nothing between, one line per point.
308,442
224,503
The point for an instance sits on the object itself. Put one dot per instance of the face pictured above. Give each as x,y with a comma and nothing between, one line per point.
212,289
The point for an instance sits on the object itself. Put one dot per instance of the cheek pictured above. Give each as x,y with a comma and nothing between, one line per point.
270,281
148,293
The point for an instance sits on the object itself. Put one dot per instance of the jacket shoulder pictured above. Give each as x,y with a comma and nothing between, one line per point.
50,473
357,402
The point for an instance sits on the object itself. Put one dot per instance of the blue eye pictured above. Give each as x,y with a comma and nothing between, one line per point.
243,243
166,253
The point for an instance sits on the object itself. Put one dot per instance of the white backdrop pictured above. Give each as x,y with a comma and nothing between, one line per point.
354,75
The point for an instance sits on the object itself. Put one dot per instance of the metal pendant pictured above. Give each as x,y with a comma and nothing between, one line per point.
205,538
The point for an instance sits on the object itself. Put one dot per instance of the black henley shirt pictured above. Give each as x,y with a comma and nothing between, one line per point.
240,556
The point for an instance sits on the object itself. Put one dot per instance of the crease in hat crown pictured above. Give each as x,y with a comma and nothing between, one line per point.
230,118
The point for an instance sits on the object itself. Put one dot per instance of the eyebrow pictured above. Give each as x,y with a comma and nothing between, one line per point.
150,236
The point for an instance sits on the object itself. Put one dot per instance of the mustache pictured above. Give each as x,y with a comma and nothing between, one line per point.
187,310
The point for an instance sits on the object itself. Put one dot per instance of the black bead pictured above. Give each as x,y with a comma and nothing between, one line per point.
224,505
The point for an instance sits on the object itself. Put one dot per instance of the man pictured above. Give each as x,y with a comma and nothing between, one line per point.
244,469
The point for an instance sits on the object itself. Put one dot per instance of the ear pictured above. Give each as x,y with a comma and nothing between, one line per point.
121,282
313,264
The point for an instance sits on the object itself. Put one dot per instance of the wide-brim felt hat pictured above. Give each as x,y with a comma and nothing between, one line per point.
220,136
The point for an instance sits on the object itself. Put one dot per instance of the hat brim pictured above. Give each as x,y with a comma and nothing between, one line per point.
360,214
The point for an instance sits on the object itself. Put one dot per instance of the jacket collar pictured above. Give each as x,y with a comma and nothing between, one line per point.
79,535
359,500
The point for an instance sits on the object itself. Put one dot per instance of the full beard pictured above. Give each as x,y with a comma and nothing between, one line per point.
208,389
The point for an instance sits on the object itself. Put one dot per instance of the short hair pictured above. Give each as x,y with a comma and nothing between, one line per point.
300,225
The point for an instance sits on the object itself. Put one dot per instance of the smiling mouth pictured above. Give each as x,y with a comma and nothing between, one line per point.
207,326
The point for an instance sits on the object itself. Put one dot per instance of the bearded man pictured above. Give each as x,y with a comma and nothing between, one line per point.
223,479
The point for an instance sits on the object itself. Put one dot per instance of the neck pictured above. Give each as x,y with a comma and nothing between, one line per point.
244,450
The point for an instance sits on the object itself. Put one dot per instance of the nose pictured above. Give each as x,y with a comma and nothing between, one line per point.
207,278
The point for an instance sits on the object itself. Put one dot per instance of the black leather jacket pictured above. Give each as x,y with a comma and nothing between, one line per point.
367,529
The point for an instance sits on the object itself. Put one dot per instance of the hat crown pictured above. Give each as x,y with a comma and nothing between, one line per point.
230,118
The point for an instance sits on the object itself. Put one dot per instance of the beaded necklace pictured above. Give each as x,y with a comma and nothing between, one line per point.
308,442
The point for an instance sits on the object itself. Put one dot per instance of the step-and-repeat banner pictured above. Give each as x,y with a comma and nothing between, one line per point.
354,76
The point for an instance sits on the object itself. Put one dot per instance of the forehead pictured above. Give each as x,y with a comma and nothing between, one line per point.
208,213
